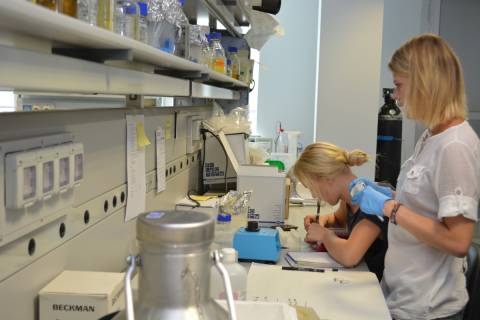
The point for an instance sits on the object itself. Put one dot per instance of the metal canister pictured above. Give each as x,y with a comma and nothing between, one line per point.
174,268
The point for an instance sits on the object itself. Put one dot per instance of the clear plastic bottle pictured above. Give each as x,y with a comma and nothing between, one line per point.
142,27
235,64
125,18
237,274
87,11
281,140
218,54
223,231
105,14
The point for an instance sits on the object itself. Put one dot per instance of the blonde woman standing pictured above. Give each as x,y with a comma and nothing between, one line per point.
324,168
435,209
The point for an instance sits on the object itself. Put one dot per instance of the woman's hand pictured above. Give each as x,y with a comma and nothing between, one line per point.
309,219
316,233
370,200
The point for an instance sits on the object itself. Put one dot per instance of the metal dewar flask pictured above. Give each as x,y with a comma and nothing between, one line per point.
174,264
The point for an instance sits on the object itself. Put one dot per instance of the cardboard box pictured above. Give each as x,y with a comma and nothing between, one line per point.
82,295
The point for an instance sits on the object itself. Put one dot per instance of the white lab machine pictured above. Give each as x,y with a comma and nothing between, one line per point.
234,150
268,186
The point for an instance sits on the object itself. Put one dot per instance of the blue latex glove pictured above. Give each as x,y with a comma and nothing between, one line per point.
385,190
370,200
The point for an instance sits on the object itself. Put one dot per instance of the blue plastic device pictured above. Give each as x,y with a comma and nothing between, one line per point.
261,245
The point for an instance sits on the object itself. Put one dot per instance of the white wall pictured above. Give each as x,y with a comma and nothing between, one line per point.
287,72
460,26
349,75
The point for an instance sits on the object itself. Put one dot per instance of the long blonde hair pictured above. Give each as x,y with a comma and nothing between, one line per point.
323,159
436,90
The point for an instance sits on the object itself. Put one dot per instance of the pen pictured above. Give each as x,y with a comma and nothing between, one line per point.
317,217
303,269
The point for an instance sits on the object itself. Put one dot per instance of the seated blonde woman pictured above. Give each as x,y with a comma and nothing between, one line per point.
324,169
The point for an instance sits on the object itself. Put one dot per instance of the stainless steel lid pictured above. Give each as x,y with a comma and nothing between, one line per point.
172,228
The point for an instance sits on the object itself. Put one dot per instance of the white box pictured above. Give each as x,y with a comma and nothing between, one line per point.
267,203
82,295
209,206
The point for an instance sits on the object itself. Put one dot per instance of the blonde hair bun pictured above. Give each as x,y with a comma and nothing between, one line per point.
356,158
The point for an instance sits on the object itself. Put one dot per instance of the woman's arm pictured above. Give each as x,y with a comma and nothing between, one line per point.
349,252
452,235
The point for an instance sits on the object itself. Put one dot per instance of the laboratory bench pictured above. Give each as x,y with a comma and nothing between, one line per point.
352,293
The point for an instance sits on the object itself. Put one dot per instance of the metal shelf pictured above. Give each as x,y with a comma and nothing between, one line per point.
25,70
20,16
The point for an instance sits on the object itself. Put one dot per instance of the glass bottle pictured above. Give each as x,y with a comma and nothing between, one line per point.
50,4
105,14
142,27
229,67
125,18
87,11
218,54
235,62
206,51
68,7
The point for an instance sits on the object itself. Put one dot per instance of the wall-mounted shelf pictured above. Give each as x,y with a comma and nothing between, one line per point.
61,31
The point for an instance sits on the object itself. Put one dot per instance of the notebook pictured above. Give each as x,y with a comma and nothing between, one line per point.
313,259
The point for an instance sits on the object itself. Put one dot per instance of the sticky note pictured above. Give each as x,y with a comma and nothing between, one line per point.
168,129
142,139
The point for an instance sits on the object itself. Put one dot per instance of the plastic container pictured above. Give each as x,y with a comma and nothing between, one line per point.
235,62
105,14
223,231
218,54
237,273
293,137
125,18
87,11
142,27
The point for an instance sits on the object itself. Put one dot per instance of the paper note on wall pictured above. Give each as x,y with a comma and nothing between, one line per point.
160,150
136,188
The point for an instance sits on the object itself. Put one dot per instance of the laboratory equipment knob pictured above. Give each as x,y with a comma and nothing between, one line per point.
252,226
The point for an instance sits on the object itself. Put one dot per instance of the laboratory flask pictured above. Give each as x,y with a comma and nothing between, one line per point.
174,264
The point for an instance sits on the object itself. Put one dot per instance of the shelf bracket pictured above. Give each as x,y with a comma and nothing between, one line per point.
95,55
135,101
191,75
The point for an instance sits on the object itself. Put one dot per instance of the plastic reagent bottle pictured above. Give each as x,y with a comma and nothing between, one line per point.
87,11
235,62
223,231
281,140
126,16
218,54
142,30
237,273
